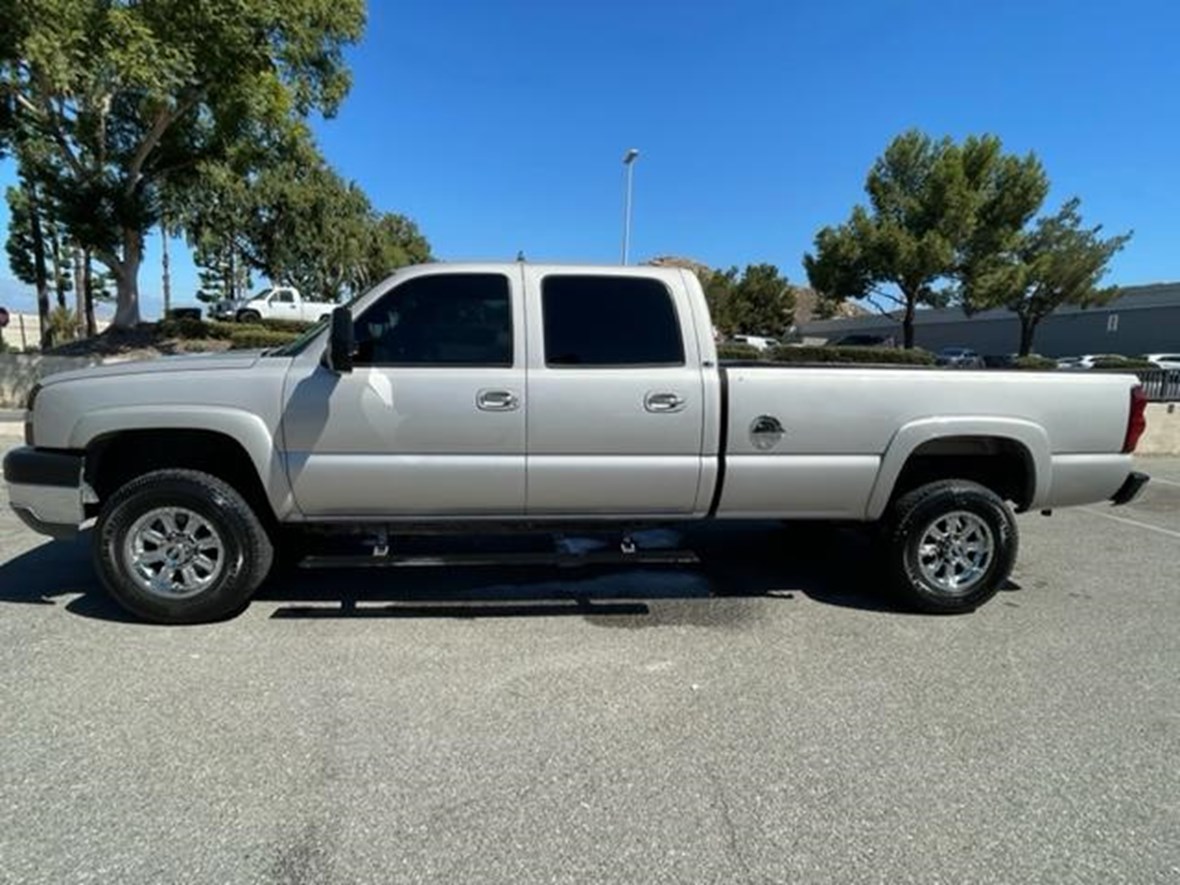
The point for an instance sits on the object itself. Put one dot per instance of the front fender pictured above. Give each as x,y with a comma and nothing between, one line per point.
1031,436
246,428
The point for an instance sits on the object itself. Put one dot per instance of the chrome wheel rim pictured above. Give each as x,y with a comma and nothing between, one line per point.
955,552
173,552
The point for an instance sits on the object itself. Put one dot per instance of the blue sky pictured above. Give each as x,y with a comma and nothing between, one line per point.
500,126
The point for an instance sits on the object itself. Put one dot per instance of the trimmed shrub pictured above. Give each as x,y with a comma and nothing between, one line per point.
248,338
1035,363
736,350
296,327
184,327
1123,364
64,325
878,355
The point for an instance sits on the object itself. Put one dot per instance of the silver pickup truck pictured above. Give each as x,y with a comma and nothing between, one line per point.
461,396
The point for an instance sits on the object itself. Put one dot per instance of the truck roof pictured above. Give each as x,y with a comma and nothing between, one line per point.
544,267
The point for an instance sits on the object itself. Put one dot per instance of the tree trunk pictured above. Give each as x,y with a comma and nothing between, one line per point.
1028,327
167,273
231,280
39,272
88,288
127,281
79,289
907,324
59,272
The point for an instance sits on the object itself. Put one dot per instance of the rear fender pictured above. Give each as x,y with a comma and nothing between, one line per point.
905,442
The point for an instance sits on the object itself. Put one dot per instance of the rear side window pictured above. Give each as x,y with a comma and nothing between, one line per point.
439,320
609,321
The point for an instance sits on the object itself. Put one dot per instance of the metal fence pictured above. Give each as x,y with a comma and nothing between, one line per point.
1161,385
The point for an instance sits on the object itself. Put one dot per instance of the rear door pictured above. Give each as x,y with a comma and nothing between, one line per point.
615,394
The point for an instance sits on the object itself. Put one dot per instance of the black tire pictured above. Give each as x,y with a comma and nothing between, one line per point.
245,559
915,513
249,316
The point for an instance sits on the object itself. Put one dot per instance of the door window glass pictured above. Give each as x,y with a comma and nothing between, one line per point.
440,320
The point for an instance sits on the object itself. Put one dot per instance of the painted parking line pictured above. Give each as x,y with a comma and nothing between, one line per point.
1166,482
1133,522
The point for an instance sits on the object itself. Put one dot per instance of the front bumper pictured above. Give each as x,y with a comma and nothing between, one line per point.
45,490
1130,489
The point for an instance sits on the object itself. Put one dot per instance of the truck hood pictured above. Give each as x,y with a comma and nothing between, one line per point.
238,360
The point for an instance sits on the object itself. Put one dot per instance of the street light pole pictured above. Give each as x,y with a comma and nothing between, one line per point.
629,163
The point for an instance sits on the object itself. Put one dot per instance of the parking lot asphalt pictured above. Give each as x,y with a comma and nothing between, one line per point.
767,716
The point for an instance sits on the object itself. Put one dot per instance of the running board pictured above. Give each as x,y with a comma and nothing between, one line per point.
561,560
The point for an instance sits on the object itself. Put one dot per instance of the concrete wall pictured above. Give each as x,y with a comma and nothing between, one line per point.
31,324
19,372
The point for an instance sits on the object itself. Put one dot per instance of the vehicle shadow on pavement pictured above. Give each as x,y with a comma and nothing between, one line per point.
761,560
834,566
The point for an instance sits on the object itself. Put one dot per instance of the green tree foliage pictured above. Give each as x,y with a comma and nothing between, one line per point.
758,301
932,204
26,245
134,97
1058,261
394,241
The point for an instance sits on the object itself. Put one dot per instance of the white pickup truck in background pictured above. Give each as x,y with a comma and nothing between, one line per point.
456,397
276,303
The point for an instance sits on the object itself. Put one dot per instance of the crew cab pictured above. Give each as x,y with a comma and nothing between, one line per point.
455,396
275,303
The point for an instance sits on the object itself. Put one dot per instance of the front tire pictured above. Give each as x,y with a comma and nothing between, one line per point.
180,547
249,316
950,545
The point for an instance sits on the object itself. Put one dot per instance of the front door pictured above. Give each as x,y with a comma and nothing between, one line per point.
431,421
616,398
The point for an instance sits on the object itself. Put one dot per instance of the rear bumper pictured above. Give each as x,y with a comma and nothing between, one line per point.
1130,489
45,490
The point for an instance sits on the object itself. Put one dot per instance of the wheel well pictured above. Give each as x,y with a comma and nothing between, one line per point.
1002,465
115,459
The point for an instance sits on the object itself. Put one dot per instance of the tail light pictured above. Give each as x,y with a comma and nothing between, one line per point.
1136,420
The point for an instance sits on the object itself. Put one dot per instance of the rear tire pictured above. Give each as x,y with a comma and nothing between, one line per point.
949,546
180,547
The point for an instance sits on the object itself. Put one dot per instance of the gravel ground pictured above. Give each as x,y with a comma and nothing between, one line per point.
767,717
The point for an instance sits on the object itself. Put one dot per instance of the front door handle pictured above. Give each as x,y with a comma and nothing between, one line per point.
660,401
497,401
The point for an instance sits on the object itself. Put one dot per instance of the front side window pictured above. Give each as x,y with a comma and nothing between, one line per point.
439,320
283,296
609,321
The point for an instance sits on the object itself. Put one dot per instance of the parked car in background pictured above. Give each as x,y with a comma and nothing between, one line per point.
757,341
1086,361
1163,360
276,303
958,358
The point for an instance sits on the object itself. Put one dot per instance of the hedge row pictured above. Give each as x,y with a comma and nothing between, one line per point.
193,329
735,350
1036,363
253,338
879,355
1131,365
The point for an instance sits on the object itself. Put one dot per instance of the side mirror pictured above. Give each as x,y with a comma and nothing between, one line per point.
338,357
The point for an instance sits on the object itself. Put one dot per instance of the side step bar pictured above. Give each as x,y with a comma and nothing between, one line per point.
561,560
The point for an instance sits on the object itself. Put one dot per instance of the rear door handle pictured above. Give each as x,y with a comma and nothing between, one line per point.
661,401
497,401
